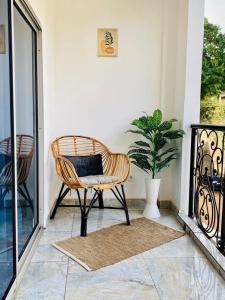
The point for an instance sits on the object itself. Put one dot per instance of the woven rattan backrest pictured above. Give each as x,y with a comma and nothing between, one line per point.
24,149
24,146
80,146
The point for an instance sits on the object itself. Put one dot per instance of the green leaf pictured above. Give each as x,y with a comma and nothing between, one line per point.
141,161
160,141
142,144
145,166
170,150
140,132
166,162
165,126
148,154
174,134
138,156
138,151
141,123
173,120
157,117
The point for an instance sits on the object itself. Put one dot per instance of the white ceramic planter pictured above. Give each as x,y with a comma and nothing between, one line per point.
152,190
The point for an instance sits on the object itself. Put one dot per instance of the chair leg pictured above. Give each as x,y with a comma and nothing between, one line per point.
100,199
84,213
122,199
60,198
125,206
83,227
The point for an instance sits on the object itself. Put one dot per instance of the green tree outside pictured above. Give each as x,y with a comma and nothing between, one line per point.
213,75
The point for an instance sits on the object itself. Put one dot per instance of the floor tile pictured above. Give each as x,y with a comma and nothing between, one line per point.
176,270
129,279
186,278
45,251
182,247
43,281
63,220
168,219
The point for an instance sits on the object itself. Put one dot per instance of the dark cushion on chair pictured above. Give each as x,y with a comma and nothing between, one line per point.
4,160
87,165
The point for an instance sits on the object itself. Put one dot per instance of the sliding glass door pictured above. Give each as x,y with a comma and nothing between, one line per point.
19,186
7,184
25,49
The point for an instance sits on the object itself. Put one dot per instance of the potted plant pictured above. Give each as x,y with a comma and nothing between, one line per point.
153,152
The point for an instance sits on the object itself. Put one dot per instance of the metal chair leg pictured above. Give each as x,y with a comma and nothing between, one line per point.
84,213
122,199
100,199
60,198
125,206
83,227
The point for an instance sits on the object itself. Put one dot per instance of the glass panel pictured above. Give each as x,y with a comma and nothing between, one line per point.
26,128
6,166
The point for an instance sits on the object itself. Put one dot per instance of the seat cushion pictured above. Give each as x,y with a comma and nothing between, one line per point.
87,165
98,179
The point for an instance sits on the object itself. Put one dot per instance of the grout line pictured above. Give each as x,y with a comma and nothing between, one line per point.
66,278
67,271
155,285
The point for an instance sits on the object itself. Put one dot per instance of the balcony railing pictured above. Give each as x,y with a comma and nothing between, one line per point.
207,182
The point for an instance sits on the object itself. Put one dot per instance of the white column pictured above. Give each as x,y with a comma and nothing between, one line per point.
188,84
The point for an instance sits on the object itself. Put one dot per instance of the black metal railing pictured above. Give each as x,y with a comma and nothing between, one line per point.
207,181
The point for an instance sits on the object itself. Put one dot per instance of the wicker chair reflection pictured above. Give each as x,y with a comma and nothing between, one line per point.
24,150
116,168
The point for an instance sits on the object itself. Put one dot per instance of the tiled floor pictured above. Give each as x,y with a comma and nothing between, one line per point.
177,270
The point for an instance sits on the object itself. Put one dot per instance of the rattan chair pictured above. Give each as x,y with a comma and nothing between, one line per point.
116,166
24,150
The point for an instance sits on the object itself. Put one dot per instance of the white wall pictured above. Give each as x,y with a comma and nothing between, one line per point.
88,95
181,81
98,96
188,85
44,10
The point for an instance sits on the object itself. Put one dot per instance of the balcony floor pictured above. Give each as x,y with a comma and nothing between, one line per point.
176,270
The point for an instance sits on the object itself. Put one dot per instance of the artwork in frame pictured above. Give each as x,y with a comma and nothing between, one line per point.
2,39
108,42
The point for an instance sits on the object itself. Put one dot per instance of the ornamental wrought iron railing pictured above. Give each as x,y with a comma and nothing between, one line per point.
207,182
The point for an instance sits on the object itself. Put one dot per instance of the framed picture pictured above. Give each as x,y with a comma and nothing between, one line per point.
2,39
108,42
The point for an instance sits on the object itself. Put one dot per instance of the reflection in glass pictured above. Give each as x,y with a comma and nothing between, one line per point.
7,265
26,128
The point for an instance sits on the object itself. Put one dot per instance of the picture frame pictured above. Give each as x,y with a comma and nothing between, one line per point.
2,40
107,42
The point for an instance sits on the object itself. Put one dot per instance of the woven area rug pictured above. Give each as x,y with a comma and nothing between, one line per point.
113,244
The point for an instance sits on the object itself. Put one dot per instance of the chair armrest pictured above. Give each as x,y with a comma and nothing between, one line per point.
67,173
118,165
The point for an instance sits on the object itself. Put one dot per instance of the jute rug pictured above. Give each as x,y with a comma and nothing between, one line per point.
113,244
